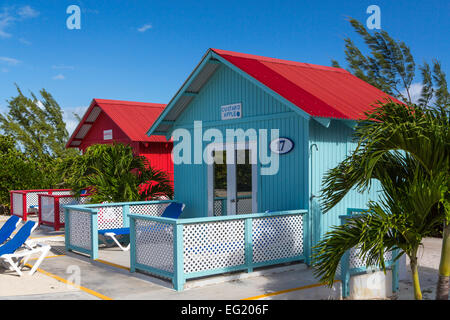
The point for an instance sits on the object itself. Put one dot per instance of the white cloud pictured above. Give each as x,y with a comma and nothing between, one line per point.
59,77
70,119
145,27
6,19
414,90
25,41
26,12
9,61
9,16
3,33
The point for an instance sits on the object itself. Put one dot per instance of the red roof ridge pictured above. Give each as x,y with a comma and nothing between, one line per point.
320,91
124,102
280,61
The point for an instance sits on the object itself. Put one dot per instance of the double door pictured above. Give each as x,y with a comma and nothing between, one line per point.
232,179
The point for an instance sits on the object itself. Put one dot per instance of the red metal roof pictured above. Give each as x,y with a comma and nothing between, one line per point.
318,90
133,118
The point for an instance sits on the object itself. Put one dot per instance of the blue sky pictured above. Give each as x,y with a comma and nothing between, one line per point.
144,50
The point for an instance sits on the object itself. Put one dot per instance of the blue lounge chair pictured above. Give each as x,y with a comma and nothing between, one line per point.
8,228
15,253
173,211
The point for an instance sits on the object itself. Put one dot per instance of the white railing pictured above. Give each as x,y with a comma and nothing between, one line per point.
181,249
84,221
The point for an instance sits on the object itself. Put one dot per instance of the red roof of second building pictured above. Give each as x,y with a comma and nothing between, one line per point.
318,90
133,118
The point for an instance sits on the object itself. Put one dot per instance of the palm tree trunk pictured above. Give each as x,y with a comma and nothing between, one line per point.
444,266
415,275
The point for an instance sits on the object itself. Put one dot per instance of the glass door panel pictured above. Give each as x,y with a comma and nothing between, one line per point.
220,183
243,182
232,180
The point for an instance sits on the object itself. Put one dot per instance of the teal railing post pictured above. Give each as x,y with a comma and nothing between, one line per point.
345,274
178,264
224,207
132,223
307,238
125,212
395,268
94,235
248,244
67,229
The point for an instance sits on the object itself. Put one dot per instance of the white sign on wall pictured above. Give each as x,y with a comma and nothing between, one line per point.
231,111
107,134
281,145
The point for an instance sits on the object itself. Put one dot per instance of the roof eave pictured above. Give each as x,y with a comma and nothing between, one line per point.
212,57
80,124
179,94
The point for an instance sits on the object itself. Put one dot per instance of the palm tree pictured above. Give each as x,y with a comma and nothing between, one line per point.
406,149
113,173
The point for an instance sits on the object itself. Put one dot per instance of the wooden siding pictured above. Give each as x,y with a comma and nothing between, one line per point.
333,145
299,176
288,188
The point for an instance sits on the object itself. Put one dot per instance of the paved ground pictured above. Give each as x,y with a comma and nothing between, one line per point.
429,257
71,276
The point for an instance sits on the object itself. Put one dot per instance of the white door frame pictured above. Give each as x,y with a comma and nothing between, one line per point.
231,174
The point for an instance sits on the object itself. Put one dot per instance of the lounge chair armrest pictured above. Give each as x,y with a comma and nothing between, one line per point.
30,244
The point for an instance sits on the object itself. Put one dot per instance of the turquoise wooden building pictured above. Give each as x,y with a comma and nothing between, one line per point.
315,109
250,201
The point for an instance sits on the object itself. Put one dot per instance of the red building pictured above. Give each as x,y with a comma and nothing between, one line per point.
109,121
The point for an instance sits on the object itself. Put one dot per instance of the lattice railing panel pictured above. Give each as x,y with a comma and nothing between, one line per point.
357,262
18,204
154,244
213,245
62,193
80,229
110,217
33,198
244,206
47,209
153,209
277,237
219,208
69,201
